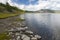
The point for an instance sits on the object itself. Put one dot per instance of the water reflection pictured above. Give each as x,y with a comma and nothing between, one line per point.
46,25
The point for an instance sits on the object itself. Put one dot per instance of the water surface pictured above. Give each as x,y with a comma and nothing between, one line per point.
45,24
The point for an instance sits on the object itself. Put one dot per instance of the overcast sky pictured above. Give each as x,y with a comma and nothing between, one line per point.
34,5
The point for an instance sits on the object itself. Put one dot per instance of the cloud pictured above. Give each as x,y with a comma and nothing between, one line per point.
55,5
47,4
3,1
41,4
17,5
37,7
55,0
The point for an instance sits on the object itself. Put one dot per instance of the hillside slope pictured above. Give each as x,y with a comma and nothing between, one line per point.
7,11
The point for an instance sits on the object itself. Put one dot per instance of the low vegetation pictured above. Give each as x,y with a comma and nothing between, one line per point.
6,15
4,36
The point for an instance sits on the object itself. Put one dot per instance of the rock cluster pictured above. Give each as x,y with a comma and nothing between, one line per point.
22,33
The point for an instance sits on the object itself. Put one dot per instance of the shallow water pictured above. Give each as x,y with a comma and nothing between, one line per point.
45,24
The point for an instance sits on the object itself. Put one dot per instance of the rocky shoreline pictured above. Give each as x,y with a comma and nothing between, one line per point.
22,33
8,23
12,26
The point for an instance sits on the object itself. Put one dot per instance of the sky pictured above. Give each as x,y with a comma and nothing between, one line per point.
34,5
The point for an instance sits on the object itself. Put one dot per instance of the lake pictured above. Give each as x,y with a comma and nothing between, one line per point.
46,25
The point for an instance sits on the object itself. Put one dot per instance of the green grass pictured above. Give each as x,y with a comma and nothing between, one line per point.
6,15
3,36
19,19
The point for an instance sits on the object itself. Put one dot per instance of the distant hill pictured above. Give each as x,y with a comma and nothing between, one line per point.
42,11
46,11
57,11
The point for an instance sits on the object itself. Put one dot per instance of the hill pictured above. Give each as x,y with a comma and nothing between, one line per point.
7,11
42,11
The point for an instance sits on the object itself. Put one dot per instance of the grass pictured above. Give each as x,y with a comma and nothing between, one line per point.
3,36
6,15
19,19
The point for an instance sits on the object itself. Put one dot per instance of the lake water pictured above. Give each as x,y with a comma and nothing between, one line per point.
46,25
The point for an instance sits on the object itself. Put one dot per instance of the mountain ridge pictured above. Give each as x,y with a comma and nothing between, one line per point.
44,11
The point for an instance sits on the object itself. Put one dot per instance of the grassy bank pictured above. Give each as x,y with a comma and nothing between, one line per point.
3,36
6,15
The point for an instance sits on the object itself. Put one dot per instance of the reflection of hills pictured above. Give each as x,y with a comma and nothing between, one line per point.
44,11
